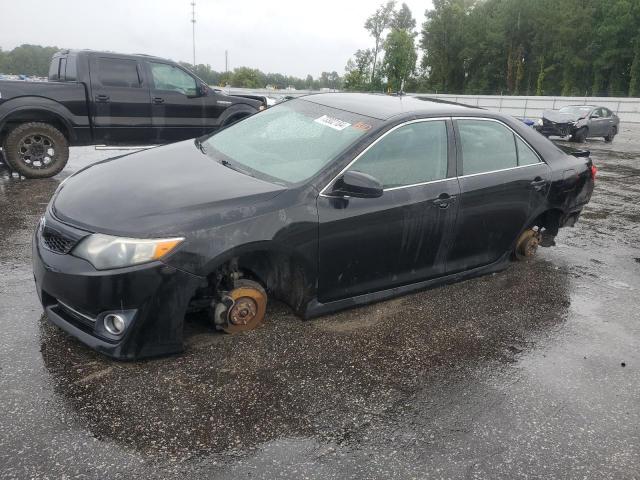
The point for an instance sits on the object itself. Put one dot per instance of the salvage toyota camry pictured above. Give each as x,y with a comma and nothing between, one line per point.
324,202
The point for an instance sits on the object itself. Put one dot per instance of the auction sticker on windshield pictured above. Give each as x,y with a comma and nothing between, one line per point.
332,122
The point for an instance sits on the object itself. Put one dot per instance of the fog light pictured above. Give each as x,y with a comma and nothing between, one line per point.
114,323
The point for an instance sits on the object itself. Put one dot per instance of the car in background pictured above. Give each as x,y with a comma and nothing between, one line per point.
579,122
105,98
324,202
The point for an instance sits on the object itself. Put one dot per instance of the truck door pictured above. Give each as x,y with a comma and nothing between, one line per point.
120,107
179,109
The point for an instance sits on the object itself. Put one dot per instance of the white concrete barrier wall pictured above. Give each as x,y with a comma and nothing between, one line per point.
628,109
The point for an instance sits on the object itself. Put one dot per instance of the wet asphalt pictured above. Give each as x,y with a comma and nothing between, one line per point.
533,372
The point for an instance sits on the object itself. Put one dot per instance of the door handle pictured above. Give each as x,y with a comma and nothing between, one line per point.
444,200
538,184
102,98
158,100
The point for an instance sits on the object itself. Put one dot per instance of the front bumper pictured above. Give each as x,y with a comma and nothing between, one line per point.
76,297
549,128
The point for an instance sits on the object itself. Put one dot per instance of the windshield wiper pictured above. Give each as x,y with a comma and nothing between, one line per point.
228,164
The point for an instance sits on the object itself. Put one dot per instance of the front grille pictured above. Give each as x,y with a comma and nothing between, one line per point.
56,242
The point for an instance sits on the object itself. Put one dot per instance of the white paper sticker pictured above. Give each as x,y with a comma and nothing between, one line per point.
332,122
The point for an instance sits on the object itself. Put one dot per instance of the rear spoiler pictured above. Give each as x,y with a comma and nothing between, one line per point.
576,152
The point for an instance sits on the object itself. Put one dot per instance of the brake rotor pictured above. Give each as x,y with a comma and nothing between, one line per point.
527,244
248,309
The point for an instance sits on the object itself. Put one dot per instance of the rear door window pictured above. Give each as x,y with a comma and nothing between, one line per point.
526,156
486,146
116,72
412,154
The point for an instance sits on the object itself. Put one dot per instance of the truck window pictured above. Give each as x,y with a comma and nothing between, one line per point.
116,72
169,77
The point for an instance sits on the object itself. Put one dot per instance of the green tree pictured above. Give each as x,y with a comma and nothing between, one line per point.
28,60
245,77
358,70
443,43
399,58
403,19
376,25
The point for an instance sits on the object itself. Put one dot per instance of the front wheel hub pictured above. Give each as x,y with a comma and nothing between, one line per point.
248,309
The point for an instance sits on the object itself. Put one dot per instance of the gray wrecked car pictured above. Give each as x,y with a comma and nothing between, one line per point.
579,122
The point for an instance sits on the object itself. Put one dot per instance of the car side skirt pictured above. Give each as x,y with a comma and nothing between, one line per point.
315,308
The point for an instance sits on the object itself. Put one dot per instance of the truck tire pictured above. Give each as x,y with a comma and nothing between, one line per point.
36,150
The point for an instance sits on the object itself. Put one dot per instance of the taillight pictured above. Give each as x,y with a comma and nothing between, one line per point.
594,171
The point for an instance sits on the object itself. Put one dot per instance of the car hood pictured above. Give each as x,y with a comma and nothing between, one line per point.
169,190
557,117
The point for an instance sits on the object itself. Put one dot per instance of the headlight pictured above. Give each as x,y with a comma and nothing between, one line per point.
105,252
540,122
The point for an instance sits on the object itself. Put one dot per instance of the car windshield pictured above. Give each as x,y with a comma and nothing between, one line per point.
576,110
290,142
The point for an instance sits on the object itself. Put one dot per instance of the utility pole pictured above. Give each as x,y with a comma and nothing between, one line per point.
226,61
193,30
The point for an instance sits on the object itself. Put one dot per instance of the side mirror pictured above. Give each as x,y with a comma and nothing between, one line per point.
357,184
595,115
203,89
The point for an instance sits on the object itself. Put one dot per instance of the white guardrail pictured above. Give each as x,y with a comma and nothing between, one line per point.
628,109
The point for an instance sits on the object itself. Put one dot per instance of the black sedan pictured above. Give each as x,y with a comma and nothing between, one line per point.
324,202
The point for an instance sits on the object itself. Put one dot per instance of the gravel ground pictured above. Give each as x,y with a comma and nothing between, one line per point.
533,372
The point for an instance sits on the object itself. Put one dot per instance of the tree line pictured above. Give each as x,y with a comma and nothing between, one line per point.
33,60
510,47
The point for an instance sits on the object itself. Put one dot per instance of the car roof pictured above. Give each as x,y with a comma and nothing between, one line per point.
383,107
112,54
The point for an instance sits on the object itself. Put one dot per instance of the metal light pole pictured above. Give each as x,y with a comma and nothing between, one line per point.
193,30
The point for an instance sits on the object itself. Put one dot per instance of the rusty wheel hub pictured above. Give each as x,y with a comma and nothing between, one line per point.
248,309
527,244
243,311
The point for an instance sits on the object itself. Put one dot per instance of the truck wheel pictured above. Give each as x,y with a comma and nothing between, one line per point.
36,150
611,135
580,135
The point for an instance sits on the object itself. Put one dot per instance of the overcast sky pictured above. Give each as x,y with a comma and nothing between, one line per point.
284,36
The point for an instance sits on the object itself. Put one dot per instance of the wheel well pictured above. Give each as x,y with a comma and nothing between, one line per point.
44,116
283,277
549,220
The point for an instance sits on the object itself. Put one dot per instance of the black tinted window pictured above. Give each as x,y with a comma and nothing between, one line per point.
169,77
115,72
414,153
486,146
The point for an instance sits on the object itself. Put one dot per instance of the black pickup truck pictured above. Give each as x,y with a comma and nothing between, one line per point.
101,98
